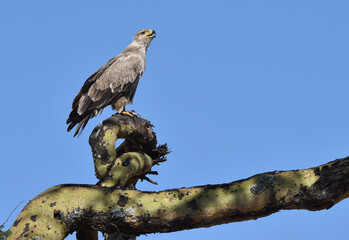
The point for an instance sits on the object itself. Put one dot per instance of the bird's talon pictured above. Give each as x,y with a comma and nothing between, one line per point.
130,113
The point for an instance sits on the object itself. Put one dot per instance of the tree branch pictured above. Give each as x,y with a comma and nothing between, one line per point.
60,210
122,167
139,137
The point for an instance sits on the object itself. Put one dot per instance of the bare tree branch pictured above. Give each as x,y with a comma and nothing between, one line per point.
114,207
60,210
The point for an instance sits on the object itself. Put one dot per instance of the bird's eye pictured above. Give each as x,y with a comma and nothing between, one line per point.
143,32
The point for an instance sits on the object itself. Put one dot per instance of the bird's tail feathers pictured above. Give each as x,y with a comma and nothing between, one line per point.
79,120
82,124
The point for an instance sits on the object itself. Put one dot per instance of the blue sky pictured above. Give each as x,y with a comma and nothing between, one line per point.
235,88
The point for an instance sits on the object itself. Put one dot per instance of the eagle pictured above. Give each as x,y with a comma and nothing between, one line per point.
113,84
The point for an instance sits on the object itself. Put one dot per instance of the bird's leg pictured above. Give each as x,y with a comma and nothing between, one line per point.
120,104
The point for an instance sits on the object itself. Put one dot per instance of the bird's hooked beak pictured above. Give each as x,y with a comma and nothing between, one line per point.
151,34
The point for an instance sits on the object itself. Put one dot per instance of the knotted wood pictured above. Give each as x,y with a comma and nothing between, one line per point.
111,207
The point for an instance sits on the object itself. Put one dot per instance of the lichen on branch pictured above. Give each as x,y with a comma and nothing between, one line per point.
139,138
113,206
61,209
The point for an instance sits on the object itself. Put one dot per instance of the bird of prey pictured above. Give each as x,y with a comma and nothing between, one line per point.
113,84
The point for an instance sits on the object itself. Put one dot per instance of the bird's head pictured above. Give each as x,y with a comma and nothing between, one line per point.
145,36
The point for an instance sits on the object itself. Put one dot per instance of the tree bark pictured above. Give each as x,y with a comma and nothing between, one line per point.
116,208
60,210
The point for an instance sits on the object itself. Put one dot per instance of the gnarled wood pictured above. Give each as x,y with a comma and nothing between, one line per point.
113,207
60,210
137,132
122,167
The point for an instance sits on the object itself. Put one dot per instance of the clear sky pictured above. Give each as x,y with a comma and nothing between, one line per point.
235,88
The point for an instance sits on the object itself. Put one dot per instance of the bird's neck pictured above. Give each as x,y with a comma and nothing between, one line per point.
136,46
